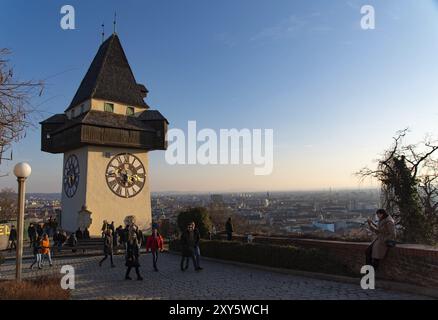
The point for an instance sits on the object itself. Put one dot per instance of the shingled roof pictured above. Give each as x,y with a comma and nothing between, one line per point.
110,77
151,115
107,119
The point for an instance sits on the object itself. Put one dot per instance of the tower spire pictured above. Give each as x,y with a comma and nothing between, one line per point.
115,22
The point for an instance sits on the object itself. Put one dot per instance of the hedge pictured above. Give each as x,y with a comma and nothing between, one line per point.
287,257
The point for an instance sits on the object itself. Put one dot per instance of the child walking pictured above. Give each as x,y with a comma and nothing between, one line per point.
45,249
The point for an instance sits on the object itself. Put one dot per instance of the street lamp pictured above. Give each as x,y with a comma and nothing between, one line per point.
22,171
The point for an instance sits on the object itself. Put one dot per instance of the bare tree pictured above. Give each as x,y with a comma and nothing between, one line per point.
409,182
8,204
15,108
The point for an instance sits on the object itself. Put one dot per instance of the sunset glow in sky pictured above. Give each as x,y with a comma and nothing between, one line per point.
334,94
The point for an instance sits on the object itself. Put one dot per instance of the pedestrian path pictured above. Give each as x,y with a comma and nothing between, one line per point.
216,281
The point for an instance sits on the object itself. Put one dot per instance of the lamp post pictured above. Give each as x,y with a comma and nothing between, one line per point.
22,171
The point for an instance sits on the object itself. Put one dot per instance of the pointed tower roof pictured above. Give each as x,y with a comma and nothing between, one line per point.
110,77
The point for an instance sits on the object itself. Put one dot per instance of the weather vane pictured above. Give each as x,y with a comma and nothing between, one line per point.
115,21
103,31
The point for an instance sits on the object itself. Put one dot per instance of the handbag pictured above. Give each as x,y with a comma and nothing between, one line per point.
391,243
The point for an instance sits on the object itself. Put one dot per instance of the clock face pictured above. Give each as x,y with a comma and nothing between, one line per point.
71,175
125,175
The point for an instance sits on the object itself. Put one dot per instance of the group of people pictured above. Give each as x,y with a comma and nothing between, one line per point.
41,250
39,239
132,239
33,231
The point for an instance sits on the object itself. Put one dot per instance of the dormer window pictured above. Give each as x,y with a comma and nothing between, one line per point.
108,107
82,108
130,111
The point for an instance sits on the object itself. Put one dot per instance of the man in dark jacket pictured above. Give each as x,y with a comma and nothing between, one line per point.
197,250
12,238
111,227
86,234
108,248
188,248
40,230
229,229
31,233
79,234
72,242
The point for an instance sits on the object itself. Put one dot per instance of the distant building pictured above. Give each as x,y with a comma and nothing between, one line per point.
217,199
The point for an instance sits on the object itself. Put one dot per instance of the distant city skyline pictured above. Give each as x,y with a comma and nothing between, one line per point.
333,93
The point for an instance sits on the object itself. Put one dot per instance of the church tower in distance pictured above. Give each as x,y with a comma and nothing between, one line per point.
105,135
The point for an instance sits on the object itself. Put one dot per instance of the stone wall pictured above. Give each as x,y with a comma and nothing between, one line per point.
414,264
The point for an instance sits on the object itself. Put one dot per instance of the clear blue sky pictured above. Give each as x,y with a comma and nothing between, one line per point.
333,93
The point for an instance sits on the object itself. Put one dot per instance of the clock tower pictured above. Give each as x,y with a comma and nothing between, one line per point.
106,134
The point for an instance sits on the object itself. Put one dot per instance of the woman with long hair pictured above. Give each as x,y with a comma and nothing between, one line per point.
132,256
385,238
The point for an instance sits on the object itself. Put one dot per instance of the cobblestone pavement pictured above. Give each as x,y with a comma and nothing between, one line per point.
216,281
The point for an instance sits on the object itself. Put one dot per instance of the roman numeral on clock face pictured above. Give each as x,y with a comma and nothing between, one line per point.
125,175
112,184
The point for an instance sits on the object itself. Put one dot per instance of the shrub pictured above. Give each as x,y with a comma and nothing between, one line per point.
198,215
287,257
43,288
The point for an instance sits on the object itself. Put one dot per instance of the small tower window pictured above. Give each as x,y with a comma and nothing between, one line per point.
109,107
130,111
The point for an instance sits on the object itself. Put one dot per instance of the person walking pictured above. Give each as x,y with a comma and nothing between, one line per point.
229,229
115,239
72,242
188,248
45,249
32,234
197,250
120,235
154,244
57,239
108,248
111,227
40,230
13,238
86,234
79,234
36,248
385,231
126,232
104,227
54,224
132,256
